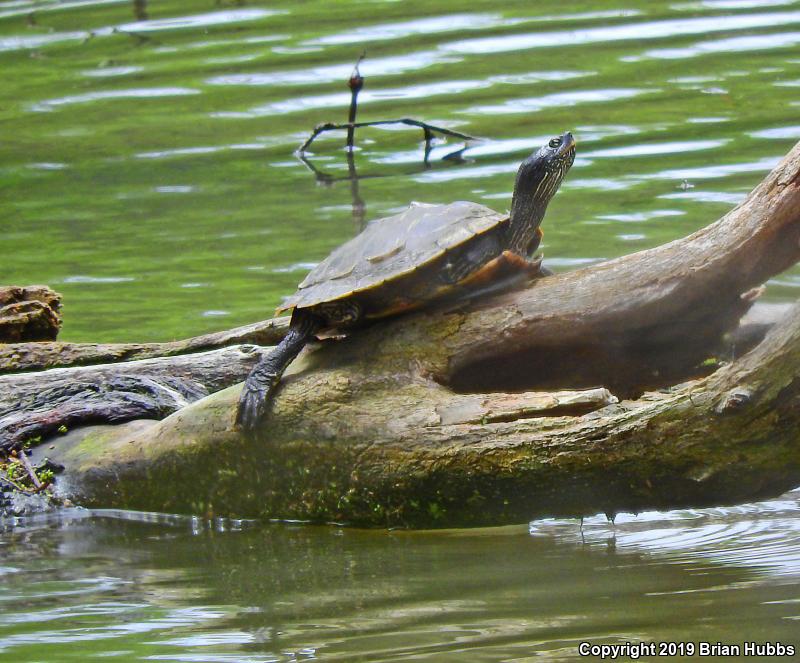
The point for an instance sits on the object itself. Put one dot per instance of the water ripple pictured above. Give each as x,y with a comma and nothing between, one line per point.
423,26
649,149
98,279
728,197
761,535
343,99
24,8
52,104
732,45
731,4
559,99
713,171
640,217
17,42
105,72
199,20
631,31
779,133
388,66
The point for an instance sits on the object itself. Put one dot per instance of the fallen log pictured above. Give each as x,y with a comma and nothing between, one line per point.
29,313
35,405
20,357
413,453
411,422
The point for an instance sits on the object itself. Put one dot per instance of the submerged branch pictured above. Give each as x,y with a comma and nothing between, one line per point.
428,130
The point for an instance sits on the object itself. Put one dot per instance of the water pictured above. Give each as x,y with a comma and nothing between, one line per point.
147,173
147,165
174,589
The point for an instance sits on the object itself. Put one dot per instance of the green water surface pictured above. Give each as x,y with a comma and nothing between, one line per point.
147,166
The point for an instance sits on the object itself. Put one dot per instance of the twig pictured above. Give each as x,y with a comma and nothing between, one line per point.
355,84
331,126
14,485
29,469
328,180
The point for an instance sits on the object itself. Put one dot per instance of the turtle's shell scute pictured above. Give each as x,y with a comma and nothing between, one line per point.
392,247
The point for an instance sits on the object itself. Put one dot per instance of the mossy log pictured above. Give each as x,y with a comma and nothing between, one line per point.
399,452
413,422
30,313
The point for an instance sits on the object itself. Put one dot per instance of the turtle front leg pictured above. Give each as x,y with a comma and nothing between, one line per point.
263,379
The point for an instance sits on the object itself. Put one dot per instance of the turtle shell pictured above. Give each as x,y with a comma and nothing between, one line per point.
392,247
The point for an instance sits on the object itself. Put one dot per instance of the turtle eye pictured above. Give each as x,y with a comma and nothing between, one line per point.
555,142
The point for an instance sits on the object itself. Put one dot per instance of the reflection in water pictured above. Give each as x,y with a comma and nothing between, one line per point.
200,591
356,83
764,536
140,10
358,206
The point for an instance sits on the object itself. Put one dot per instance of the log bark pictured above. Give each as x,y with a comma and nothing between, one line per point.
20,357
412,422
35,405
29,313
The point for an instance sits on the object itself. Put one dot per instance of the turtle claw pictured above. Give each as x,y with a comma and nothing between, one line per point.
251,408
253,402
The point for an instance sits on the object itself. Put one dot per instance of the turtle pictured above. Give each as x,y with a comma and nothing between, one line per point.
401,262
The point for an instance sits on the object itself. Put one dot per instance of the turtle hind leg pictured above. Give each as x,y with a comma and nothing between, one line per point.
263,379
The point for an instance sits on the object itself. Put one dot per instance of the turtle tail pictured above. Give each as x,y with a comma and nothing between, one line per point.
263,379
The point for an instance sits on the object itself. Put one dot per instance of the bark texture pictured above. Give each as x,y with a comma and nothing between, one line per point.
35,405
29,313
19,357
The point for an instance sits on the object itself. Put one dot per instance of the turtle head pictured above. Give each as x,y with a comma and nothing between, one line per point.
538,179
